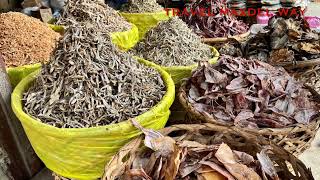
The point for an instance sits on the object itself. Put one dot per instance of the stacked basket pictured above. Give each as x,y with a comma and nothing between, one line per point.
295,138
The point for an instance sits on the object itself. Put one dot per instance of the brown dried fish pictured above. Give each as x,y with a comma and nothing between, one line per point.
250,94
281,55
172,43
188,160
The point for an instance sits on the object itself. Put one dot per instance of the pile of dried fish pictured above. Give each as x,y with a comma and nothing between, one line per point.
172,43
214,23
292,39
141,6
287,40
108,18
89,82
194,156
25,40
250,94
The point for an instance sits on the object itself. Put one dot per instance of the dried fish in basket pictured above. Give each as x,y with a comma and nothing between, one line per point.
145,14
255,96
203,152
79,103
213,25
289,43
124,34
141,6
173,46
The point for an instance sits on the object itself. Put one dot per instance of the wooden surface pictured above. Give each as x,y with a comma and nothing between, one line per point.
6,5
24,162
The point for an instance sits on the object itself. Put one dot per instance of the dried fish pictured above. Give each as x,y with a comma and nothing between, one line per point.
286,39
108,18
188,160
215,23
250,93
25,40
172,43
141,6
89,82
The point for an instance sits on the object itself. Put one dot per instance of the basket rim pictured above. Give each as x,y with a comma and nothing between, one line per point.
314,124
27,120
223,39
299,167
298,64
213,59
162,12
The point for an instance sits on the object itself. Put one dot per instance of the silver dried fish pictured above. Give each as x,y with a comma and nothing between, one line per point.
172,43
101,85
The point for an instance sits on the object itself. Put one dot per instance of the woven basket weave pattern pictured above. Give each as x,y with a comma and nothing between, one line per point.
295,139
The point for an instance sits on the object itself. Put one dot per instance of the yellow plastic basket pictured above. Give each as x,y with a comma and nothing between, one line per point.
82,153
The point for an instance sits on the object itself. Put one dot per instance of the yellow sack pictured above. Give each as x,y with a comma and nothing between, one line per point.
127,39
82,153
145,21
16,74
180,72
124,40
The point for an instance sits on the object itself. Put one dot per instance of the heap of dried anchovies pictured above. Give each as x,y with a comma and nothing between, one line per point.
172,43
142,6
108,18
89,82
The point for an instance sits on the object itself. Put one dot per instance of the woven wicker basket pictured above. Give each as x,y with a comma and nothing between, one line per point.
298,64
295,139
288,166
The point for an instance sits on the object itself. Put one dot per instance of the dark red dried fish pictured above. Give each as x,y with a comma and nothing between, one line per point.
213,23
250,93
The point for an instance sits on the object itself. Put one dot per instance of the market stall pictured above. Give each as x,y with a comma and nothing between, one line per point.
138,90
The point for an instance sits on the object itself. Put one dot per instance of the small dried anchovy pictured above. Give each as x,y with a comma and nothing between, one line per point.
141,6
172,43
108,18
89,82
250,94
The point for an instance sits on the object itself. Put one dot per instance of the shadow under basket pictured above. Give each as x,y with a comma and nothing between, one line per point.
295,139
